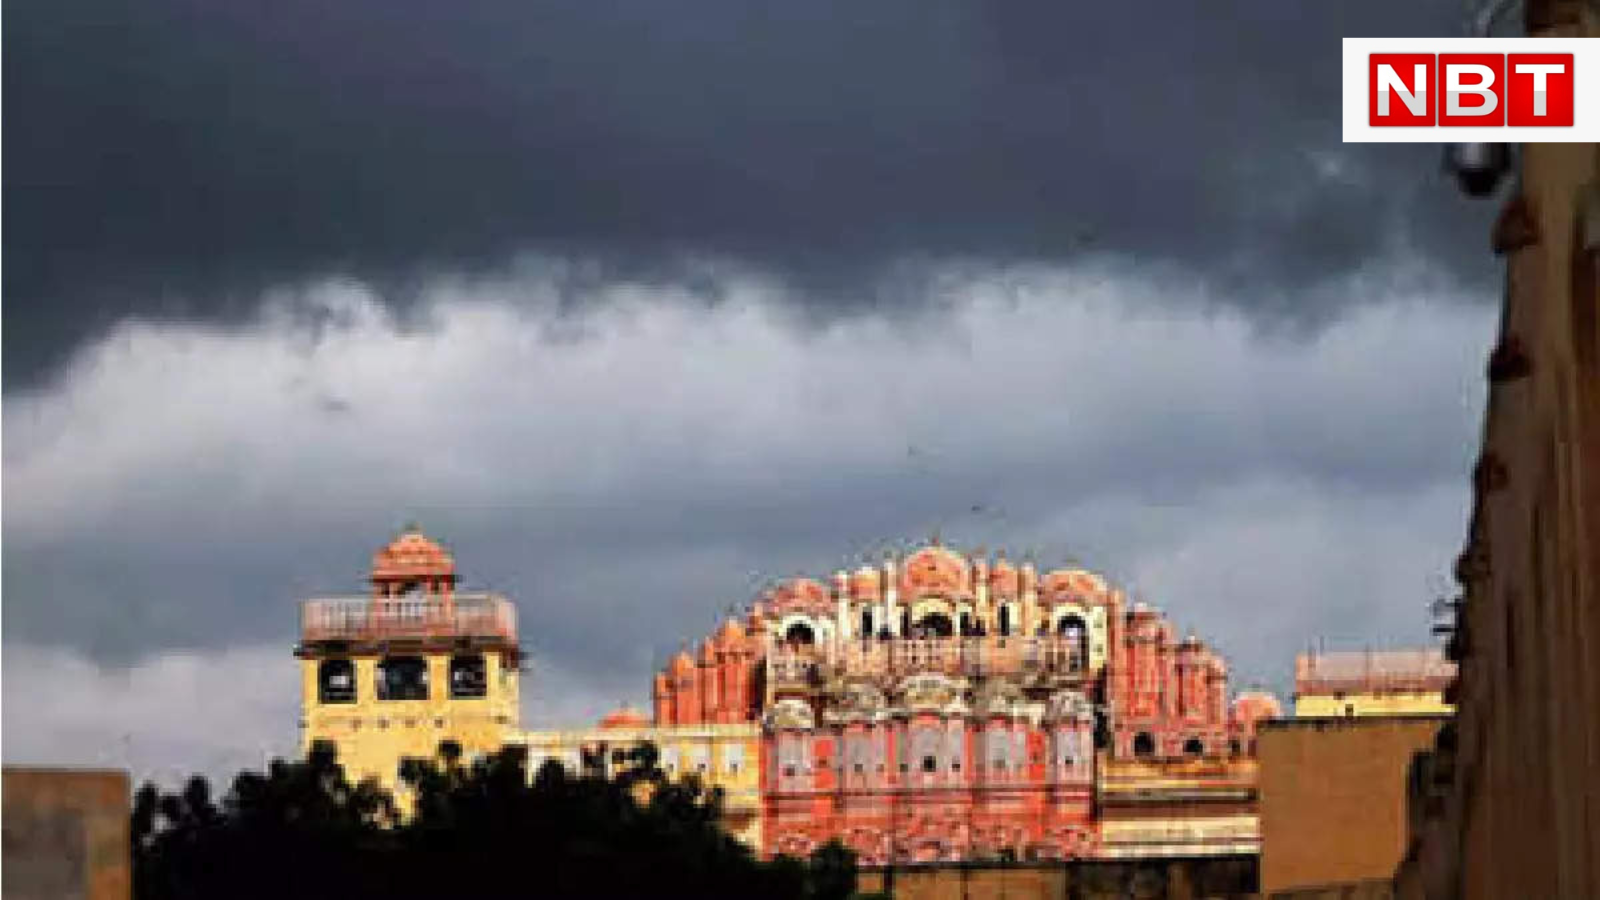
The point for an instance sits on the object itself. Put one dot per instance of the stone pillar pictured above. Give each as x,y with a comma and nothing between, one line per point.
891,595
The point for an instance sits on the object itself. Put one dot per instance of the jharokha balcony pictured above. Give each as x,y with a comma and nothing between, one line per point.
957,656
485,618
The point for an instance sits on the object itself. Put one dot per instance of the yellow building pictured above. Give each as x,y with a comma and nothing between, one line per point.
391,675
725,756
1372,683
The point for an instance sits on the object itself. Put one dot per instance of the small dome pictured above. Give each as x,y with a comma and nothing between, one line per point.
682,663
729,633
1003,579
1057,584
934,570
756,619
864,584
800,592
412,555
1251,707
624,716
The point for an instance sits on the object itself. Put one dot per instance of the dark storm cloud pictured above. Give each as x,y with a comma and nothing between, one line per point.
171,157
645,495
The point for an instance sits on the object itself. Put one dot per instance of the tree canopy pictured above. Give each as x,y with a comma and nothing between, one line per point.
301,829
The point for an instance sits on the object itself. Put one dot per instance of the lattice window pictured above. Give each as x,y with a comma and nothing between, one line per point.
792,757
858,749
732,758
925,749
998,750
954,751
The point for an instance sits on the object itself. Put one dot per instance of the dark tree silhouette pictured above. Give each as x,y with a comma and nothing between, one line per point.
486,829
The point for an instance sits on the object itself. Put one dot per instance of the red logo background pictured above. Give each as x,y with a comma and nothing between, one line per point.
1495,62
1558,90
1404,65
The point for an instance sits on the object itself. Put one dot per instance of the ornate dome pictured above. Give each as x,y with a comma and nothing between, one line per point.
1061,584
412,556
1057,584
729,633
934,570
1251,707
800,593
624,716
1004,581
865,584
682,663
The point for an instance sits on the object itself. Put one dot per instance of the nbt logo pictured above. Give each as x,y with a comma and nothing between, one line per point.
1477,89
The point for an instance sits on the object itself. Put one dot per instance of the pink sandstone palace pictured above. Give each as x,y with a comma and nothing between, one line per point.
937,707
944,707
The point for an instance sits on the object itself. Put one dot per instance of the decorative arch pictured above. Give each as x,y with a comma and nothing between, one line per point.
934,624
1072,625
821,630
1144,745
934,570
1006,620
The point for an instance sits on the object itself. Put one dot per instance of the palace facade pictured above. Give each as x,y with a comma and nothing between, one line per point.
942,706
936,707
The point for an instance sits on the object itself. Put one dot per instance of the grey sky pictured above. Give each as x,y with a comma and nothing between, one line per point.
174,156
639,308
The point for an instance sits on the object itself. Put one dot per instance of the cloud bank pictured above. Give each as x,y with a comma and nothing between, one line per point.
630,465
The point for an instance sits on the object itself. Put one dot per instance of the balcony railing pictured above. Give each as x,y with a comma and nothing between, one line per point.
1395,671
395,618
972,657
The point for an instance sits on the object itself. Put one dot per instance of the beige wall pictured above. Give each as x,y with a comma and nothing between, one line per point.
731,755
1396,704
66,835
1333,797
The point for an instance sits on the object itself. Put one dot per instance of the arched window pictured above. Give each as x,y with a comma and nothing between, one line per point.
1005,621
1144,745
1194,747
336,681
800,633
1076,634
866,623
935,625
403,678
